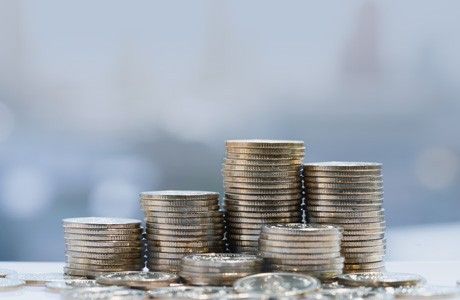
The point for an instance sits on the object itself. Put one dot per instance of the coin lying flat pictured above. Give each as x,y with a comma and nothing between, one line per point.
144,280
189,292
40,278
380,279
10,283
58,286
178,195
99,222
427,292
97,292
277,284
5,272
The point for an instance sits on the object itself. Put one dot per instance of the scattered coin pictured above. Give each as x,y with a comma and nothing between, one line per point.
380,279
189,292
10,283
58,286
427,292
143,280
106,292
277,284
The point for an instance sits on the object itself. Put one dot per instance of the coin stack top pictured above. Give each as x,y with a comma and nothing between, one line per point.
218,268
311,249
350,195
97,245
262,185
180,223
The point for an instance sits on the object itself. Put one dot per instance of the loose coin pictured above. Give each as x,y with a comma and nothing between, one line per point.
99,292
59,286
427,292
189,292
10,283
277,284
40,278
380,279
143,280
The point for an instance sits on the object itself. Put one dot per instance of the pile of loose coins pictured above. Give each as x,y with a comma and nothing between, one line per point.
305,248
350,195
180,223
100,245
218,269
262,181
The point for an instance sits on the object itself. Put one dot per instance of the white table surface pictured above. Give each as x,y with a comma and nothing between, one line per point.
439,273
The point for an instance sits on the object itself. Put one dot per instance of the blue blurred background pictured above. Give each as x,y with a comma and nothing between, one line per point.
100,100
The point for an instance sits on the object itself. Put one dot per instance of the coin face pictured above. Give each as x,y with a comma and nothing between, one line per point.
10,283
381,279
279,284
100,222
145,280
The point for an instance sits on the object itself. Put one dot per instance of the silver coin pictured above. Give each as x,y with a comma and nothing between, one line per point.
261,168
143,280
208,221
260,143
338,209
58,286
427,292
342,165
262,209
188,292
297,195
366,243
181,203
260,162
267,151
260,221
185,250
254,238
354,192
343,180
10,283
344,220
263,215
344,214
300,255
256,186
40,278
187,228
219,279
178,195
336,268
299,244
342,174
244,243
181,209
104,256
104,250
318,239
298,250
370,186
279,284
90,293
266,174
262,180
305,262
186,238
221,259
259,191
101,244
345,197
364,259
301,229
112,268
380,279
5,272
229,273
106,262
104,231
101,238
185,244
364,266
100,222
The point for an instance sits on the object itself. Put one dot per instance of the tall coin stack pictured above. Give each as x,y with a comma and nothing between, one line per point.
218,269
350,195
311,249
95,246
262,185
180,223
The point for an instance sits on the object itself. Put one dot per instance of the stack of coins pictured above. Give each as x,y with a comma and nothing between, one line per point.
262,181
95,246
180,223
350,195
218,268
304,248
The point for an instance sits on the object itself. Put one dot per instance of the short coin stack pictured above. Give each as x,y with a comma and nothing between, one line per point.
180,223
350,195
218,268
311,249
95,246
262,185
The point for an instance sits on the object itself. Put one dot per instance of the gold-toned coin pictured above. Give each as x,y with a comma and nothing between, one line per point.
165,255
364,259
187,215
262,180
367,243
242,231
238,225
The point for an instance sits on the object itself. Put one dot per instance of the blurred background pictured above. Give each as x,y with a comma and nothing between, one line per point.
100,100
